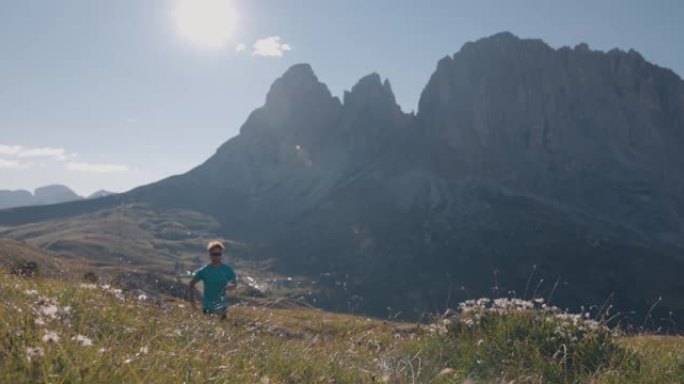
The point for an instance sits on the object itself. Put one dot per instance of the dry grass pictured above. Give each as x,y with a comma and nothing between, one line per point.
135,340
63,332
12,252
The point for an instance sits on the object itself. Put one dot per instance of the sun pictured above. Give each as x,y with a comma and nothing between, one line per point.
208,23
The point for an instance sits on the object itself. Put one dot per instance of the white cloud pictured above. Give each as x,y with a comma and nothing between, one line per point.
9,149
11,164
130,120
270,47
18,153
96,168
53,153
58,154
240,47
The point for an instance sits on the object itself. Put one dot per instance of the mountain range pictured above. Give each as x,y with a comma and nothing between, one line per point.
50,194
526,171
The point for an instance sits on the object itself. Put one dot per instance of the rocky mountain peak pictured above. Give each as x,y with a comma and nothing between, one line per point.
372,93
296,102
370,113
503,43
509,92
297,86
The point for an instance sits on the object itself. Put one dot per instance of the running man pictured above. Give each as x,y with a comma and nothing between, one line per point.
218,278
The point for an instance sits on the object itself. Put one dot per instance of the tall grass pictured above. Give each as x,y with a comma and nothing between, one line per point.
65,332
511,340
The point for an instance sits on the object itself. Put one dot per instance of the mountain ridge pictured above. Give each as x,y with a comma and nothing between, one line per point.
45,195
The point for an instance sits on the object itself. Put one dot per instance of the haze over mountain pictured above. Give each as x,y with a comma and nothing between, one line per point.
50,194
523,162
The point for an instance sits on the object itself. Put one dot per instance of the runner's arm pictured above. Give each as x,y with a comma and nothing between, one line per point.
191,287
232,284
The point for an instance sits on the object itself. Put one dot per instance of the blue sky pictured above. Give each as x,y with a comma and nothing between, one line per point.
110,94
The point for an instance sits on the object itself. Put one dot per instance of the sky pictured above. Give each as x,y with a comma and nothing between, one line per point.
102,94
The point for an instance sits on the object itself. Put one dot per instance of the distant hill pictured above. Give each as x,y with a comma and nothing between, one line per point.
98,194
128,234
527,170
140,247
20,198
51,194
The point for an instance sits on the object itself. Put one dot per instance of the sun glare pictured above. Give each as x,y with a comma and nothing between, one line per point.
207,23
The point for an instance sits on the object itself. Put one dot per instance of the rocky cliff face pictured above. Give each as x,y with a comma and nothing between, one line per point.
601,132
527,170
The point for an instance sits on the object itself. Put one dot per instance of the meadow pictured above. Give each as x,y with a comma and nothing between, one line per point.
61,331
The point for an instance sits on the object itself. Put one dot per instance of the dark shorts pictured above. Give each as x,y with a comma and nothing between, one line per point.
212,311
221,314
217,309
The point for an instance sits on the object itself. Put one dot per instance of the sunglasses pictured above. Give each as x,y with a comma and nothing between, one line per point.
216,254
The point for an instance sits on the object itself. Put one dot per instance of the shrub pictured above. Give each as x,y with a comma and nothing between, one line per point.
25,268
90,277
527,339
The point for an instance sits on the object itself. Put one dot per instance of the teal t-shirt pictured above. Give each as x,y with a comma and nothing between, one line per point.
215,280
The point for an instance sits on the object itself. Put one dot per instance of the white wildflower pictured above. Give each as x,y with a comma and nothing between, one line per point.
50,337
482,302
50,310
83,340
34,352
88,286
118,294
31,292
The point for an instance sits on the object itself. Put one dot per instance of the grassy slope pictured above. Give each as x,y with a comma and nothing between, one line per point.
132,234
137,247
12,252
145,343
134,340
135,239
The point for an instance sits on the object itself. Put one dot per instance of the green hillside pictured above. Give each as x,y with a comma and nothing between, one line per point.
65,332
